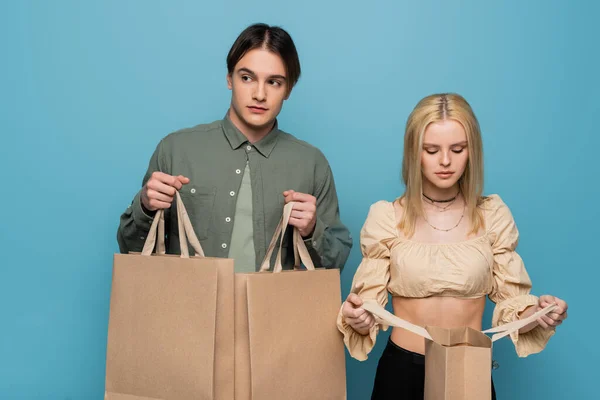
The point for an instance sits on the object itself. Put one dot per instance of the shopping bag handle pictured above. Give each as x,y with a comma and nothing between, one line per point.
506,329
156,235
300,250
383,316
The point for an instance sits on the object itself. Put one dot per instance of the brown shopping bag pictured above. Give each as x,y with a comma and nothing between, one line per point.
287,346
458,361
170,332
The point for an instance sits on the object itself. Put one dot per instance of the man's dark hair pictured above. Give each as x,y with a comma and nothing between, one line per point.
271,38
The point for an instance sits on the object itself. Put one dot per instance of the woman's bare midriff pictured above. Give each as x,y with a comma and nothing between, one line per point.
445,312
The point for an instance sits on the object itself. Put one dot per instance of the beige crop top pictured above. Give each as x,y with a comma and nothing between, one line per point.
485,265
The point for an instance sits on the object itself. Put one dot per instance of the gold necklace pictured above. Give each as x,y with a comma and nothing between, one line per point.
447,230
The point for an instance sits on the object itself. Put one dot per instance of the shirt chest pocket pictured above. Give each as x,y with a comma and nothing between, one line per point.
199,203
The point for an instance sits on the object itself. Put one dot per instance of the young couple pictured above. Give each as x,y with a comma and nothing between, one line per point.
439,249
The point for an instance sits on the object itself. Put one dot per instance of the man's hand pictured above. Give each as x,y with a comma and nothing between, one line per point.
304,213
159,191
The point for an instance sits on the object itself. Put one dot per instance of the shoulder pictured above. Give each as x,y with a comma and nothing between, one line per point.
493,205
304,148
498,218
381,217
379,230
196,132
382,207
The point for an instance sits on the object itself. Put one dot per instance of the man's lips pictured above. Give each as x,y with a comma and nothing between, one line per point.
257,109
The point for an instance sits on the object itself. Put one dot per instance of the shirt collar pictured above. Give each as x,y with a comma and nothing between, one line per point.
236,138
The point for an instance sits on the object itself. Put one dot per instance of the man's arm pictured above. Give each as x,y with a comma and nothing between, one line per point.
135,221
318,220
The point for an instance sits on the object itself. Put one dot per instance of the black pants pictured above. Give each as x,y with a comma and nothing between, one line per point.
401,375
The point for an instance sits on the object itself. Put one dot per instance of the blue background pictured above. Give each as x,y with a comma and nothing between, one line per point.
87,89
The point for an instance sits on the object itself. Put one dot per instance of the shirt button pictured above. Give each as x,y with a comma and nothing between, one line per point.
227,219
232,193
143,237
314,243
238,171
224,245
193,191
249,148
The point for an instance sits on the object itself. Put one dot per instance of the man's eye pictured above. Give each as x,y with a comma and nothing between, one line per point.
246,78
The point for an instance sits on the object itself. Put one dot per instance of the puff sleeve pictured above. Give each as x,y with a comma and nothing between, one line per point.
511,282
373,273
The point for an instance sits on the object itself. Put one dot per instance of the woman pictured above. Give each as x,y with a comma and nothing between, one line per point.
439,249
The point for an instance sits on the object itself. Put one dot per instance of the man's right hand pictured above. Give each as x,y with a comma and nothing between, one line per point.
159,192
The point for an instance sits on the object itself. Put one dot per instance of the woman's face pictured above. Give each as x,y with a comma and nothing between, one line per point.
444,154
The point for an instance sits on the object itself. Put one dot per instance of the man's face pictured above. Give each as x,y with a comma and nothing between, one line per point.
259,88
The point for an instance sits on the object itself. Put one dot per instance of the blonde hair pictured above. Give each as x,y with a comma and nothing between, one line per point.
435,108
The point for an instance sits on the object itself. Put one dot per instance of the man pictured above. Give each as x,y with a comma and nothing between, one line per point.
236,174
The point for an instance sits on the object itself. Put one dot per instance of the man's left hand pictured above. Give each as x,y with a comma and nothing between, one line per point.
304,213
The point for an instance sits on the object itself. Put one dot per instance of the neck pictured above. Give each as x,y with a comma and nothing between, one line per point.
252,133
440,194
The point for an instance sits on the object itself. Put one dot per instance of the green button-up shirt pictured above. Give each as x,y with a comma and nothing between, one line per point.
213,156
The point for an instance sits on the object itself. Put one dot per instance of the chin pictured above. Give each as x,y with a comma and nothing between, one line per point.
258,122
444,184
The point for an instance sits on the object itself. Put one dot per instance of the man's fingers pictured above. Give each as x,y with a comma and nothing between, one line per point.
175,182
163,178
179,181
299,214
292,195
184,180
305,206
156,196
298,222
158,205
303,197
288,195
161,187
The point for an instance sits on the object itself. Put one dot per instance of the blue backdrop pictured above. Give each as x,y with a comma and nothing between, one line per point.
87,89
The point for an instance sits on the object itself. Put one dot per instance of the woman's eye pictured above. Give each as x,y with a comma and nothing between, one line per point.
431,151
458,151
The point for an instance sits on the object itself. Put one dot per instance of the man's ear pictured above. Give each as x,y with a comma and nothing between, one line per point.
229,81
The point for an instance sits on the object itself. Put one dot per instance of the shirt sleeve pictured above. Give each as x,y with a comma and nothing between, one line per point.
330,244
134,223
373,273
511,290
